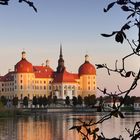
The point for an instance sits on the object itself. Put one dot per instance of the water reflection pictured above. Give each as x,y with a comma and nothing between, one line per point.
56,127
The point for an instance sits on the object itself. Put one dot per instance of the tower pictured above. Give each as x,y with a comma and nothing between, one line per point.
60,67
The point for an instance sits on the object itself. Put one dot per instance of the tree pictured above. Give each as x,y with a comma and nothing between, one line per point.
79,100
40,101
30,3
25,101
55,100
44,101
34,101
67,101
49,100
90,100
132,8
74,101
3,100
15,101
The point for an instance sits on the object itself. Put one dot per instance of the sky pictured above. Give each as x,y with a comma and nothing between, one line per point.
76,24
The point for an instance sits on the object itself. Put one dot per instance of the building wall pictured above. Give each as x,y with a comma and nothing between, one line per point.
7,89
23,84
62,90
26,84
87,84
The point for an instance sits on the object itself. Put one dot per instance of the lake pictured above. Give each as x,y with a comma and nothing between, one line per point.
55,126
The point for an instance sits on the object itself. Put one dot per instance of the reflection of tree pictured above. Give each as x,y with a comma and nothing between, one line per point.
8,129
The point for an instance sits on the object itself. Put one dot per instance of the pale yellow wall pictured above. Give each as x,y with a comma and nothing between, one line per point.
6,89
23,84
35,86
87,84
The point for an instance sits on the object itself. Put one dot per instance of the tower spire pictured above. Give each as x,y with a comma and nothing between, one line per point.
60,67
61,55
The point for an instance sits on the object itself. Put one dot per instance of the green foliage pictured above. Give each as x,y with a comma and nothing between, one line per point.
15,101
67,100
3,100
90,100
35,101
79,100
40,101
55,100
44,100
25,101
1,105
49,100
74,101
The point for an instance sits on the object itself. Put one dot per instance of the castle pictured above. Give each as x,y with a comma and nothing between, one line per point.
29,80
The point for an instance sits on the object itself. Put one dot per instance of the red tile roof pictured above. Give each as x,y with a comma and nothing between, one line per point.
7,77
43,72
23,66
87,68
65,77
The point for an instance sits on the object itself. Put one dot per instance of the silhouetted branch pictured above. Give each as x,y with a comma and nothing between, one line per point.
132,8
30,3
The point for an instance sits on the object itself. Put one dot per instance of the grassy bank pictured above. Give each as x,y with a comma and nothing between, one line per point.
4,112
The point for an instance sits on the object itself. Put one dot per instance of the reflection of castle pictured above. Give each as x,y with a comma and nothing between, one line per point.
29,80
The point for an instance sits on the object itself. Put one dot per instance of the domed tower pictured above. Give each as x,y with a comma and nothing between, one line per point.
23,66
23,77
87,74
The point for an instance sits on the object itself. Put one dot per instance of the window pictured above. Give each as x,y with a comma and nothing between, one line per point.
40,82
65,92
15,87
89,88
21,87
20,81
49,87
73,93
44,87
2,89
2,84
44,82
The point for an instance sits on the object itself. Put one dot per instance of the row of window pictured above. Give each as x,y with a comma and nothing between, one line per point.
89,77
36,82
7,89
36,87
93,83
7,84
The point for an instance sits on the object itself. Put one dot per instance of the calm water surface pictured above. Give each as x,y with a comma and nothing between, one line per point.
55,126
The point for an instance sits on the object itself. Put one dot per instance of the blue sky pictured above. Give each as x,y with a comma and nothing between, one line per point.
76,24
